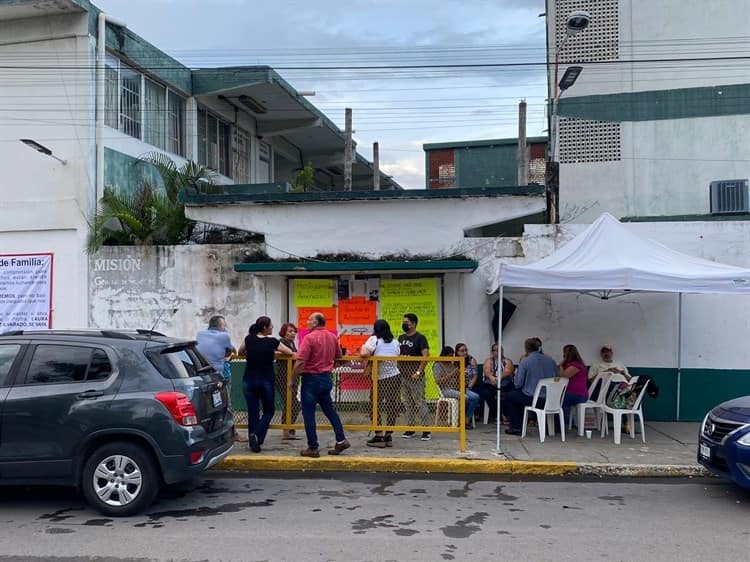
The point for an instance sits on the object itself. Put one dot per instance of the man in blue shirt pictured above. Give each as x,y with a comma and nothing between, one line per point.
215,344
530,371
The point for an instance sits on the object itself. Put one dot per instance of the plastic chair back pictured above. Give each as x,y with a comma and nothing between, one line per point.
555,392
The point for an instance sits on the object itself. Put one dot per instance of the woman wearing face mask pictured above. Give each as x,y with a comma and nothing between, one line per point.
287,333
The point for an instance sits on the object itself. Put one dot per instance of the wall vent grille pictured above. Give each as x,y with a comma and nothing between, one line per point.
599,41
588,141
730,196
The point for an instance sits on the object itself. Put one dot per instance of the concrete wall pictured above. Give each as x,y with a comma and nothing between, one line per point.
132,286
666,166
666,169
44,203
370,228
666,29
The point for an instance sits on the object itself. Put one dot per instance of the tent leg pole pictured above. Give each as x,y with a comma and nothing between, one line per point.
679,352
498,421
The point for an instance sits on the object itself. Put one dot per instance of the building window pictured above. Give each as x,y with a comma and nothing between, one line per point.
143,108
241,156
175,123
214,143
112,92
154,119
264,162
130,101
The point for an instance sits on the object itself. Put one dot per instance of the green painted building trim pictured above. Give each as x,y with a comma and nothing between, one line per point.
700,390
296,267
481,143
125,173
689,218
235,194
146,57
681,103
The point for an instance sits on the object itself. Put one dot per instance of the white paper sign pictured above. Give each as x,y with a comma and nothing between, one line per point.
25,291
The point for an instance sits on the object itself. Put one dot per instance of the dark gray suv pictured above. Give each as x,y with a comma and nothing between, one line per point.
114,413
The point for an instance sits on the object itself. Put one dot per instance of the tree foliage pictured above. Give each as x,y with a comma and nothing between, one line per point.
149,215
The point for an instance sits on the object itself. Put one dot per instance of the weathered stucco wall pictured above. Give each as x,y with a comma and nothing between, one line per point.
132,286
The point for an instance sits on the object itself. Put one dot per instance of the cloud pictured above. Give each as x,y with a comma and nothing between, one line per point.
408,171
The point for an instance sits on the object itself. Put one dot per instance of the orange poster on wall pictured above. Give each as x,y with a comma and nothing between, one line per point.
357,311
304,312
352,342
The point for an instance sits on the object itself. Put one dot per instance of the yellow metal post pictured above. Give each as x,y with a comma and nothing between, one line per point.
374,375
462,405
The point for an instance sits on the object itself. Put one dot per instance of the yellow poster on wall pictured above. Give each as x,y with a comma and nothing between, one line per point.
314,293
420,297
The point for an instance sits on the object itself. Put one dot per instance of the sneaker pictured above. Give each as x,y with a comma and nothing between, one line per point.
377,441
312,453
339,448
252,441
388,440
408,434
426,436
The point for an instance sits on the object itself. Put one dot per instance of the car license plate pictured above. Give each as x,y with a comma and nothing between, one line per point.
216,398
705,451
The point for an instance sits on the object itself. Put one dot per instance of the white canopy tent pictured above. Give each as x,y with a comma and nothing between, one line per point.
608,260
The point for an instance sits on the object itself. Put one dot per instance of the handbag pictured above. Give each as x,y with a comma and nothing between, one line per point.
227,370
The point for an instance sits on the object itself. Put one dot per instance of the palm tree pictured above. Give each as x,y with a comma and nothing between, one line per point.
149,215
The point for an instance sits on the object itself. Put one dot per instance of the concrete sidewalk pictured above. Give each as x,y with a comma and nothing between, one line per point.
670,450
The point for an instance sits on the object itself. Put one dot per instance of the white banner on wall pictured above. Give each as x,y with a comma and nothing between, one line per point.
25,291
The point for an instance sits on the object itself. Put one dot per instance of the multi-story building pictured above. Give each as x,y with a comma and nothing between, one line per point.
83,88
660,112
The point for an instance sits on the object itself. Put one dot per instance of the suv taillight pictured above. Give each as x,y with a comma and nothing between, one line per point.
179,406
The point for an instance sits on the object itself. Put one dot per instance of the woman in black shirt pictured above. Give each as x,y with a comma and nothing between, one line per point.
258,381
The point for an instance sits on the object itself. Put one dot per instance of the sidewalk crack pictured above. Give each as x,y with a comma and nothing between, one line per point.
652,428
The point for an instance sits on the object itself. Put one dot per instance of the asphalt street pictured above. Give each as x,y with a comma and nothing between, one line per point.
379,517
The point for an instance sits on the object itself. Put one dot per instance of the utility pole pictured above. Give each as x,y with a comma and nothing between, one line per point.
375,166
523,163
348,150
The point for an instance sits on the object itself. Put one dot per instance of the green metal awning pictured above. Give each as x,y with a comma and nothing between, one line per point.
353,267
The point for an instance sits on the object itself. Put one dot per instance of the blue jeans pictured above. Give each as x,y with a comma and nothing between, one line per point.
570,401
258,392
316,389
472,401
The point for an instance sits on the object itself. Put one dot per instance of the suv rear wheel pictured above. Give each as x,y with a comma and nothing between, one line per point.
120,479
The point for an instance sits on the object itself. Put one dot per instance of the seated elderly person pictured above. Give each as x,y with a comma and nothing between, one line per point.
447,378
607,365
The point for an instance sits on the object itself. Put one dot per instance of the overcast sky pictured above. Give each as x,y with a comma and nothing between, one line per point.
401,109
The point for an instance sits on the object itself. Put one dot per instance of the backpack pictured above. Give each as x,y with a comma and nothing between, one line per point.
622,396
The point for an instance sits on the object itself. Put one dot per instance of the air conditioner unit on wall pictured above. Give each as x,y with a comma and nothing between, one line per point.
730,196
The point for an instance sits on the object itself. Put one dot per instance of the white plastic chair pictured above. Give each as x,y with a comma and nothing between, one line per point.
452,404
617,414
579,412
555,392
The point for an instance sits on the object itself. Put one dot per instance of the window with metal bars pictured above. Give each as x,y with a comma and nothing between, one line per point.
143,108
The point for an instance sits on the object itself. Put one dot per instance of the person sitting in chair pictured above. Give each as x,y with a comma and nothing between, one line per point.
530,371
607,365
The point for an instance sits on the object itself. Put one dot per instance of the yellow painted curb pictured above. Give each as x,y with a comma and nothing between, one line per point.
397,464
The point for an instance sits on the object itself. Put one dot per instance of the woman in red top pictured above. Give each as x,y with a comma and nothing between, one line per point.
573,369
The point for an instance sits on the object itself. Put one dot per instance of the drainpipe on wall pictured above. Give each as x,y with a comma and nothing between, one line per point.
101,41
